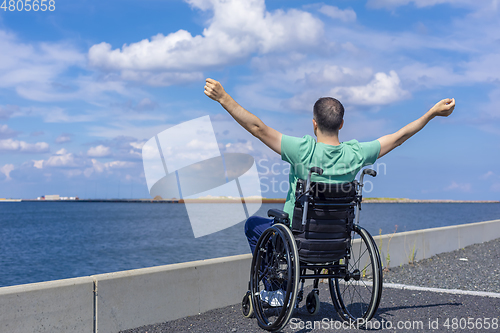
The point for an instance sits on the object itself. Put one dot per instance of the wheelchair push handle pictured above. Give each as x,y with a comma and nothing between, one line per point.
370,172
319,171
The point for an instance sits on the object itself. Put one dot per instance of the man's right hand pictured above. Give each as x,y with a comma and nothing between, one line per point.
214,90
443,108
269,136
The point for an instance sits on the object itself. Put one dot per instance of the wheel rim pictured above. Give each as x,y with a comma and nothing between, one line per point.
312,303
246,306
359,296
274,267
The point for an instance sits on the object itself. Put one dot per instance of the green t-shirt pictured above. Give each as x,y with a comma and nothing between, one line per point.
339,163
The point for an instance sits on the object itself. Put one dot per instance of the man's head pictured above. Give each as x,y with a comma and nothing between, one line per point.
328,115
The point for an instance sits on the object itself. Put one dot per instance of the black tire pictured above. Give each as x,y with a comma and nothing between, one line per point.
246,306
312,303
275,263
359,297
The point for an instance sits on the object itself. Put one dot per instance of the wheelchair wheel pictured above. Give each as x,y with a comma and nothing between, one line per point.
312,303
274,278
357,296
246,306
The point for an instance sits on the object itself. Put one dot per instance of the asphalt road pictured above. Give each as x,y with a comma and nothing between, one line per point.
474,268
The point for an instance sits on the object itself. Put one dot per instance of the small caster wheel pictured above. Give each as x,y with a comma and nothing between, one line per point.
246,306
312,303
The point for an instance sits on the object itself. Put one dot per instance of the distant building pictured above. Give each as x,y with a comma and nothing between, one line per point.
56,197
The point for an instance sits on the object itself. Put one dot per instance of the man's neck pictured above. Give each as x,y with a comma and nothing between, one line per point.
332,140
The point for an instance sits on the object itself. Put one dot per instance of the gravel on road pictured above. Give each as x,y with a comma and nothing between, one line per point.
472,268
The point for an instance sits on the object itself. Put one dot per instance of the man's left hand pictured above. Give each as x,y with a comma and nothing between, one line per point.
214,90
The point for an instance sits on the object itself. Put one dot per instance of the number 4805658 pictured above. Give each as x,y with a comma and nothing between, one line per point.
28,5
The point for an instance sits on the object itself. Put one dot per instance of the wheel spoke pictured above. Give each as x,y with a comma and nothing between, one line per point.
359,257
276,272
359,296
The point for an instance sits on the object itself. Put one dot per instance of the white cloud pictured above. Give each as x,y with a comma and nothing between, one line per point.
311,80
99,151
7,111
161,79
6,169
461,187
382,90
33,62
236,30
239,147
61,159
38,164
63,138
55,114
423,75
88,88
334,75
146,105
98,167
487,175
6,132
418,3
490,175
131,128
37,71
346,15
119,164
484,68
328,80
22,146
72,172
137,145
37,64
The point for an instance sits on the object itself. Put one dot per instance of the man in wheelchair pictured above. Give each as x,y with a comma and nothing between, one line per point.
326,162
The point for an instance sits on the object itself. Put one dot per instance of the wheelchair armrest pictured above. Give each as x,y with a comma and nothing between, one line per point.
277,213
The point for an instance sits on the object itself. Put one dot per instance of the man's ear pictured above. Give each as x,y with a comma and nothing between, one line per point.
315,126
341,124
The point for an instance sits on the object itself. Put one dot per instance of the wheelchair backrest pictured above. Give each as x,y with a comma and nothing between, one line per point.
325,235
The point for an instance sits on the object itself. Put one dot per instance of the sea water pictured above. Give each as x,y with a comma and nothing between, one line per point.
41,241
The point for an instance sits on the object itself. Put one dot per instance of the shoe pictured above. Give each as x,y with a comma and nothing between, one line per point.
273,298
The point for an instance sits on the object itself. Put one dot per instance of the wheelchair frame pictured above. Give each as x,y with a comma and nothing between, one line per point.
276,265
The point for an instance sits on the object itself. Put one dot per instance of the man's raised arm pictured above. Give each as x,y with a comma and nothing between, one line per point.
269,136
442,108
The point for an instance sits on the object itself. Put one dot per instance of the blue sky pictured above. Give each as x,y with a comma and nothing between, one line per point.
83,87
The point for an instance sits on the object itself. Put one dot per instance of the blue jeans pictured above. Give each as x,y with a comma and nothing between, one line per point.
254,227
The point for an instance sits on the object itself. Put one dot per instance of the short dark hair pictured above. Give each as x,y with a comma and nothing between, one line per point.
328,113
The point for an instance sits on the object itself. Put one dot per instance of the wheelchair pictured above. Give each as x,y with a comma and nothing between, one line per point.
325,241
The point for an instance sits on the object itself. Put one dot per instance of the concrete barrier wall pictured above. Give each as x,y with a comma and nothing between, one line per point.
403,247
130,299
151,295
48,307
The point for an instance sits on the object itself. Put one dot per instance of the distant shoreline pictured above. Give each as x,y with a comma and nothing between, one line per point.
404,200
251,200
